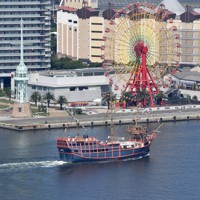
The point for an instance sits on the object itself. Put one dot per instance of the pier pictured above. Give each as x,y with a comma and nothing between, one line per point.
121,117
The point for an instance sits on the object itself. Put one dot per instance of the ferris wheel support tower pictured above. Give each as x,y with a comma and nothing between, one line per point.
143,79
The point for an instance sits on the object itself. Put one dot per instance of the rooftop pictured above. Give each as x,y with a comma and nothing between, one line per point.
188,75
175,7
66,8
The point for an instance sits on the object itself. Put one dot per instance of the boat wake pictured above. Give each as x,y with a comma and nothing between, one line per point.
30,165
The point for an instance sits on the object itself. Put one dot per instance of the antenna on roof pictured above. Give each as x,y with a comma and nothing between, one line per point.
84,4
162,6
110,4
188,8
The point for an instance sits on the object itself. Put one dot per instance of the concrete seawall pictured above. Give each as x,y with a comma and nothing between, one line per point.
30,125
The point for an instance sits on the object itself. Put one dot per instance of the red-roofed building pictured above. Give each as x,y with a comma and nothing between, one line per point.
189,16
68,9
86,12
109,13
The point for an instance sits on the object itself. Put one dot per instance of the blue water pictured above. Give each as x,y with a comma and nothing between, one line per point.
30,168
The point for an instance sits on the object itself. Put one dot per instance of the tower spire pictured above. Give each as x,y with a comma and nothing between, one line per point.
21,78
21,64
22,45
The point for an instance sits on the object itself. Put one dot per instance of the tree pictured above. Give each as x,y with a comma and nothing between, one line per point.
53,44
2,93
48,97
195,98
35,96
61,100
129,98
194,86
143,96
8,93
159,97
65,63
108,97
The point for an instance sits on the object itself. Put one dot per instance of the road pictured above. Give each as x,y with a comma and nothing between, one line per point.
100,117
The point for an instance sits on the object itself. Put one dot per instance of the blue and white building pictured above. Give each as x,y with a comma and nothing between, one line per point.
37,24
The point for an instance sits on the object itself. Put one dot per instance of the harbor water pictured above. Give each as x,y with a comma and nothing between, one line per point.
30,167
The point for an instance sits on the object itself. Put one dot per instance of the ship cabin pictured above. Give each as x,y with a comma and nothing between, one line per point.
137,132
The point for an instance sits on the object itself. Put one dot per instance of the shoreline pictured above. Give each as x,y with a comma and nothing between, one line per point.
101,119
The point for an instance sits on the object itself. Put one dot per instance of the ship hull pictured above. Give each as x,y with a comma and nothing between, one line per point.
109,156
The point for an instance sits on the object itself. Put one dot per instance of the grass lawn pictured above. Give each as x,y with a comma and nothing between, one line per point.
4,106
6,101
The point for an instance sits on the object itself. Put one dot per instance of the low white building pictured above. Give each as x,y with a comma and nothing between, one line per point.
187,82
76,85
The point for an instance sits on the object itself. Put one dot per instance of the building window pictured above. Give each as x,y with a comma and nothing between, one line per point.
97,31
95,39
96,56
88,74
75,22
99,73
20,109
39,87
72,89
95,47
83,88
69,20
97,24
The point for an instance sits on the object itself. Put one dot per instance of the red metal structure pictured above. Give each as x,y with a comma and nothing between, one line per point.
143,78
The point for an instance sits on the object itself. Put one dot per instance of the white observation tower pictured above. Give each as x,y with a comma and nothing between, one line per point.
22,107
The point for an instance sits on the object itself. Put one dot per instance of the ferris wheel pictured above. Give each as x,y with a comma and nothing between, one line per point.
141,42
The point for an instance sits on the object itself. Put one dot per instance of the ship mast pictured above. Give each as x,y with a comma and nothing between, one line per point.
111,119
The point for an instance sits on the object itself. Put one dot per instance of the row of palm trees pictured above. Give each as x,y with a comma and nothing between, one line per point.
132,100
37,97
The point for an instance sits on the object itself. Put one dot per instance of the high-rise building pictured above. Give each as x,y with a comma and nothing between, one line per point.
36,17
80,33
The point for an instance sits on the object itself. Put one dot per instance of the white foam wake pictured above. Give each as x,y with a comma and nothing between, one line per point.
28,165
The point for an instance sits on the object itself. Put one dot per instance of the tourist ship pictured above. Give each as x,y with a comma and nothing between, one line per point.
86,149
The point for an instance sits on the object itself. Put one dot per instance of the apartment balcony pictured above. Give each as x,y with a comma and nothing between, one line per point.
19,3
47,23
11,22
22,16
20,9
18,60
24,29
25,35
18,54
14,44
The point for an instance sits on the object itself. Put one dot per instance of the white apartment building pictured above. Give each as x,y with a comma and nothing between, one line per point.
36,29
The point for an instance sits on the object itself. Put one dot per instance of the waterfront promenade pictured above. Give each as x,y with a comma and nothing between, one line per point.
101,117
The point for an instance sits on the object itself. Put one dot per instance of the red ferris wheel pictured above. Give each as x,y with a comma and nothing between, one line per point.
140,43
